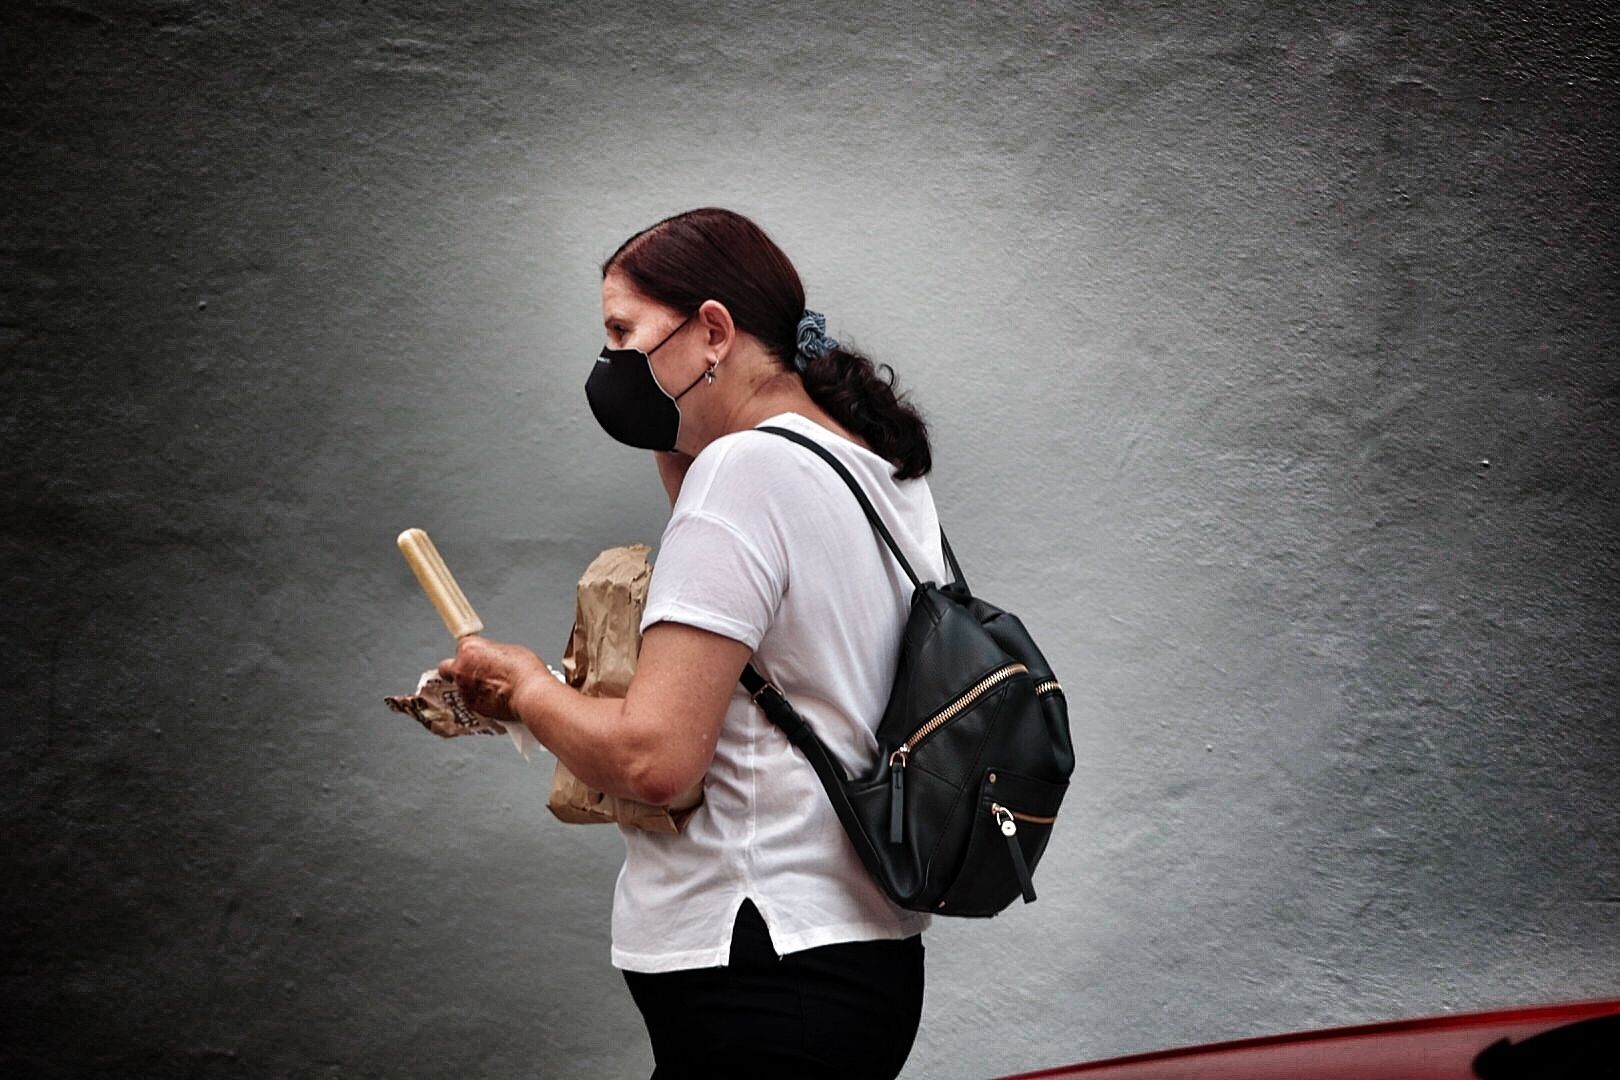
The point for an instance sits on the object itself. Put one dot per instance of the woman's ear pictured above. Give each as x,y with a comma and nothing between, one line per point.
718,329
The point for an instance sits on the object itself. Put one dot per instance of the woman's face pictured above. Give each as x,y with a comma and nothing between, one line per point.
679,354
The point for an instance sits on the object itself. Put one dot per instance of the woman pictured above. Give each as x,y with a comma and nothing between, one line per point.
754,942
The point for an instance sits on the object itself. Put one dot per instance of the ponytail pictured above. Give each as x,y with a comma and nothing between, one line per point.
861,396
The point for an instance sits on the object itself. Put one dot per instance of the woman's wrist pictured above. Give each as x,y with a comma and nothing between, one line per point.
529,697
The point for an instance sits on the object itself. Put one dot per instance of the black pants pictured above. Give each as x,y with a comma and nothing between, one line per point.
848,1011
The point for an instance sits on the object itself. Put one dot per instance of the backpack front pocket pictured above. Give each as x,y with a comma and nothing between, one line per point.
1012,824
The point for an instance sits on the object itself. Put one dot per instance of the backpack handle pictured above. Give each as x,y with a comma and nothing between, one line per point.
871,515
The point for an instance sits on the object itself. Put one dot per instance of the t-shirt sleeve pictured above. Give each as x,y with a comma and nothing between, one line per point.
721,565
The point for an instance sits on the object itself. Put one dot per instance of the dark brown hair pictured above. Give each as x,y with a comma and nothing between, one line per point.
715,254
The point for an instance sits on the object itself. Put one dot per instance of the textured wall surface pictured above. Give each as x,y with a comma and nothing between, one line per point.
1271,360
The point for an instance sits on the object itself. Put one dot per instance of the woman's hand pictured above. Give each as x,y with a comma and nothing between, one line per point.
488,674
672,466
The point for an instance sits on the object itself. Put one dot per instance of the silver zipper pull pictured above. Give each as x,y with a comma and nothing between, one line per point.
1004,818
1009,829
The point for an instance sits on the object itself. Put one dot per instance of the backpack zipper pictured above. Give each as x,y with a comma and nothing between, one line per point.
972,694
997,809
897,760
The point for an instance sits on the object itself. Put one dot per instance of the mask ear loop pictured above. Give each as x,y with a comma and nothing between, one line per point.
669,335
707,376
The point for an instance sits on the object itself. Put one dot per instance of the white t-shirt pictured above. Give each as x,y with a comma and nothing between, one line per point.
767,545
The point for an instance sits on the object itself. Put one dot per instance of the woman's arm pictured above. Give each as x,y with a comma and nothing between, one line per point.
653,745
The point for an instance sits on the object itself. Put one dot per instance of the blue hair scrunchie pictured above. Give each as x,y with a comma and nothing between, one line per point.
813,342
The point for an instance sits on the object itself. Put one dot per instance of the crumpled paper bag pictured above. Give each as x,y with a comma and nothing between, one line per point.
599,662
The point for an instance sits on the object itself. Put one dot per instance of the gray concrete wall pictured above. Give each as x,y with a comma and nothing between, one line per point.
1270,356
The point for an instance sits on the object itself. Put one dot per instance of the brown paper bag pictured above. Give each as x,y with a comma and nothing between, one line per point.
599,661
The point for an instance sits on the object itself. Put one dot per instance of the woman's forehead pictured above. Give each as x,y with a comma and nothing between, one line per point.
620,300
617,291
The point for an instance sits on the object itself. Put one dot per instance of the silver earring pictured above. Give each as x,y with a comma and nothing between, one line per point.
709,375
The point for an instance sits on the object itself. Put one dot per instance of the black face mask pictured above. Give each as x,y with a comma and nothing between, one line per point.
630,403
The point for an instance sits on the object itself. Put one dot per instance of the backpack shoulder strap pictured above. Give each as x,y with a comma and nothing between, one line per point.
780,712
866,505
950,557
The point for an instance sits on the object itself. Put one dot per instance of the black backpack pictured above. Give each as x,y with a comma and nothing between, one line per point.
973,749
